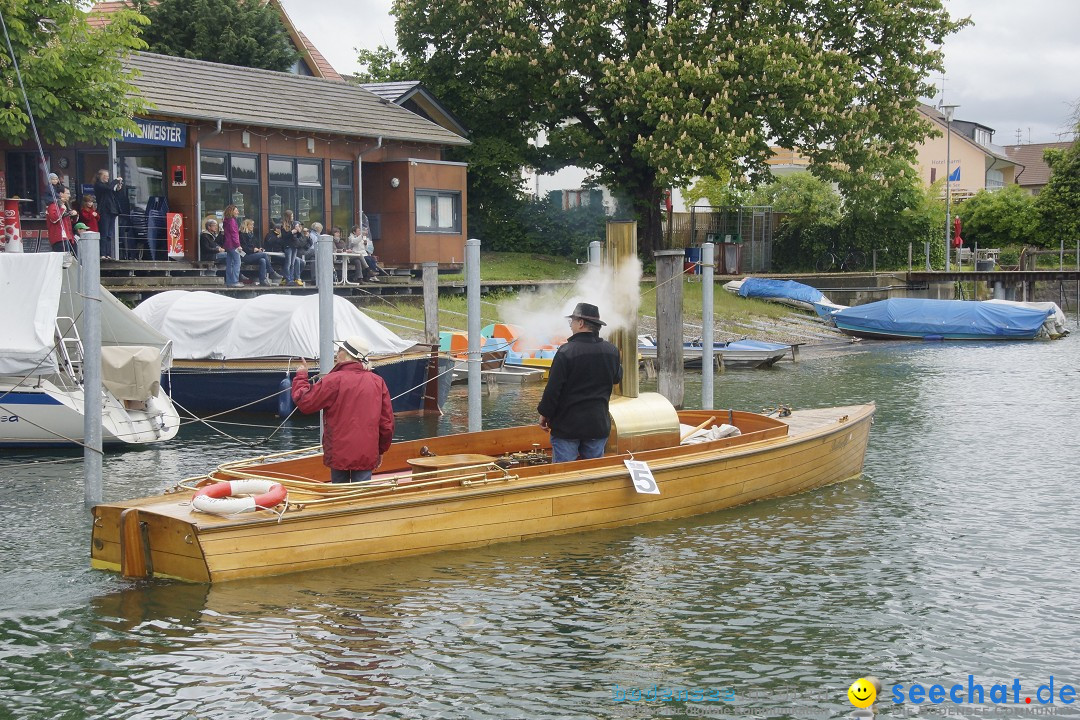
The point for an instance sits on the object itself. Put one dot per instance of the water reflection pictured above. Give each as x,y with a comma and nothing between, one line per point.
952,555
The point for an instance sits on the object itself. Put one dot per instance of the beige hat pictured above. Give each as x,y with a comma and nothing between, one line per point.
356,347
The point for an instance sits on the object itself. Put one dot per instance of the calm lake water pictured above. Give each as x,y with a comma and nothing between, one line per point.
954,555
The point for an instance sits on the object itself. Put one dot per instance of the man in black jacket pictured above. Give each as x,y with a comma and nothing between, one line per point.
574,407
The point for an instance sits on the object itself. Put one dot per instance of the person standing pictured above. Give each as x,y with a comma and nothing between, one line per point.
231,227
108,205
358,426
88,214
574,406
58,221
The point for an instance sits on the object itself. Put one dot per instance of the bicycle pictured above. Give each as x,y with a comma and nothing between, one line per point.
853,260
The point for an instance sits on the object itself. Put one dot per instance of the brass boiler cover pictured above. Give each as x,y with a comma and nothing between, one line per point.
645,422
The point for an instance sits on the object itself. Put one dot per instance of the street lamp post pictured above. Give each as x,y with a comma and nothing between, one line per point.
948,110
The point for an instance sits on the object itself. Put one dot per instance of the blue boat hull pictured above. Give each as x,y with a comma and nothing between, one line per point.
210,389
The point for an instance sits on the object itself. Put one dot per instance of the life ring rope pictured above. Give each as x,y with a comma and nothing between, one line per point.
239,496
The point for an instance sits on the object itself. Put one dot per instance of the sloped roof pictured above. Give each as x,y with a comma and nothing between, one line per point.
414,96
1036,172
392,91
199,90
323,68
319,65
938,118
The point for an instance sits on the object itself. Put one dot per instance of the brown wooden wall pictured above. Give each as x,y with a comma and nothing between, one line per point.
411,163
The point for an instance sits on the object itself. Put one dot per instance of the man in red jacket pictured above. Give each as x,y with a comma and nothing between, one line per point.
359,421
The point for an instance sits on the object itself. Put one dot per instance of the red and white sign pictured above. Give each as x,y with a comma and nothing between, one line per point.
175,237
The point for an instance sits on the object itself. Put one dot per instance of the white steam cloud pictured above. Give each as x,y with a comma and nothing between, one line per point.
541,316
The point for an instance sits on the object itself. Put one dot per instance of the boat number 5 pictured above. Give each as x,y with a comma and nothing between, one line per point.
642,477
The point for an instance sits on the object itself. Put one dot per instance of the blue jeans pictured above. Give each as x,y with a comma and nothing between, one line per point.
232,267
262,260
294,264
349,476
567,450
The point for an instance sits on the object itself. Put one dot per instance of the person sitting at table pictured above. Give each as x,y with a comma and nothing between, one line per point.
358,244
254,254
356,261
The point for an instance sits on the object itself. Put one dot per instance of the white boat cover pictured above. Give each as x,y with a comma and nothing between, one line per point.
29,297
1055,321
209,326
36,289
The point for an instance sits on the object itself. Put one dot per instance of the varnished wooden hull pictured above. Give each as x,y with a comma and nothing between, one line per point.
474,507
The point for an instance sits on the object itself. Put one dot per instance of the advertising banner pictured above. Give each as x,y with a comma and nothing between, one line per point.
175,223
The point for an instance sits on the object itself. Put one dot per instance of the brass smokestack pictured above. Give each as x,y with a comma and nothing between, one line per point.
621,245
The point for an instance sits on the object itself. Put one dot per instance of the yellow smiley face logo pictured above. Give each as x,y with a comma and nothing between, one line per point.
862,693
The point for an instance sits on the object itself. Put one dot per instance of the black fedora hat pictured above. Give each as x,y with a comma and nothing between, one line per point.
586,311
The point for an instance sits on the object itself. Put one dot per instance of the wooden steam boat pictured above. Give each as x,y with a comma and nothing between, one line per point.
475,489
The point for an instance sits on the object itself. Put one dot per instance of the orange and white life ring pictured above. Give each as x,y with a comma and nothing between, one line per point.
221,498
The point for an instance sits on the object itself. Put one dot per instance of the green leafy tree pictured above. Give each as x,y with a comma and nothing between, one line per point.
249,33
715,190
1003,217
892,211
649,95
75,80
1058,204
803,198
382,65
809,211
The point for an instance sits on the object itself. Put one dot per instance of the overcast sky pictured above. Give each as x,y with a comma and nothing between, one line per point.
1017,67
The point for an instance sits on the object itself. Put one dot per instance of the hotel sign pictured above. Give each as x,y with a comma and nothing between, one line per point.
156,132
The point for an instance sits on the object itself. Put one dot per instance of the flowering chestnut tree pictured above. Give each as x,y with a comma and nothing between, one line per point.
649,94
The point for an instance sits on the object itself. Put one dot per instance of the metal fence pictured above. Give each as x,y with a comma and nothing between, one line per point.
743,235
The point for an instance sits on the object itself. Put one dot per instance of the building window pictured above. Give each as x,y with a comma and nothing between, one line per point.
230,179
23,182
297,185
438,211
342,203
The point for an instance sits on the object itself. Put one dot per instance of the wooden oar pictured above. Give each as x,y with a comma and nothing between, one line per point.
691,432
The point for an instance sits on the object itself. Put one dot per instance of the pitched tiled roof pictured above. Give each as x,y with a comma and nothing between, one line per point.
937,117
323,67
392,91
98,16
1036,172
198,90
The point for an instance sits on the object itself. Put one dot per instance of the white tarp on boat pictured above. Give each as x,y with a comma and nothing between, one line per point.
1055,321
206,325
29,295
36,289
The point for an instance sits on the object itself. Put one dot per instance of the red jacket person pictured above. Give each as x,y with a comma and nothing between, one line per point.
359,422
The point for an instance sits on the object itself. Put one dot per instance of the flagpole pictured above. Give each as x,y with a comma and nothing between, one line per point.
948,111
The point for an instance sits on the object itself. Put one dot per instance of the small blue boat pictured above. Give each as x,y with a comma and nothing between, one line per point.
914,318
743,353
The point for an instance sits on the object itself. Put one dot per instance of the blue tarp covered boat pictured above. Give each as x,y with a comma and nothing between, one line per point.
788,292
907,318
